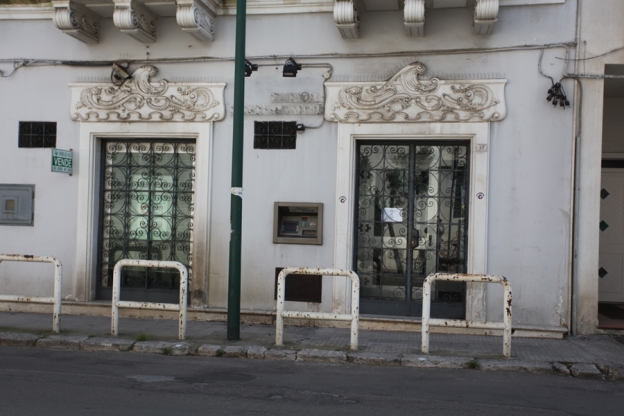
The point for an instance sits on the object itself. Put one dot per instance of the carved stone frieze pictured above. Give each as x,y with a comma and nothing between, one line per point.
134,19
486,13
298,97
194,17
285,109
138,99
77,21
406,98
414,18
347,19
289,103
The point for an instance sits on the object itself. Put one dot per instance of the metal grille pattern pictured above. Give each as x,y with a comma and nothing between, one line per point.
411,218
147,210
275,135
37,134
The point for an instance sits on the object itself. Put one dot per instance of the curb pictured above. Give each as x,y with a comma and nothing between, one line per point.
589,371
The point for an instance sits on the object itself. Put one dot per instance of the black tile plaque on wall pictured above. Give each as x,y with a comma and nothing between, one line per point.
301,287
37,134
275,135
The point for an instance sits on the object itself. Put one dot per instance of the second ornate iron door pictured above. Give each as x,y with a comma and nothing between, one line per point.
411,220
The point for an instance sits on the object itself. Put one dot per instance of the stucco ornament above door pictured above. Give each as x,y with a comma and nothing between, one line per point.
406,98
138,99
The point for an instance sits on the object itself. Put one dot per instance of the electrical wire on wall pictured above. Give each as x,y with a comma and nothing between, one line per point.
556,93
178,60
16,65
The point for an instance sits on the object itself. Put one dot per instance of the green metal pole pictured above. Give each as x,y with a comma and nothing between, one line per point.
236,197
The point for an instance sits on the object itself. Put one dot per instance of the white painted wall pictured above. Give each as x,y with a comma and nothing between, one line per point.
530,165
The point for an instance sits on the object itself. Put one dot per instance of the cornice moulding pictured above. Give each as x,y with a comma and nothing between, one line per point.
505,3
280,7
46,11
138,99
24,12
77,21
194,17
135,20
405,98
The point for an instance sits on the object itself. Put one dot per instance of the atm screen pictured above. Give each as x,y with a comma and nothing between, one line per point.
290,227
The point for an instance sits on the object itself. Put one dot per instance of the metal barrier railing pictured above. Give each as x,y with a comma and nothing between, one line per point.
427,321
354,317
116,303
58,282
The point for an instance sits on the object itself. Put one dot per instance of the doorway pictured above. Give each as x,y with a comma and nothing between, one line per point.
611,251
411,220
611,255
147,205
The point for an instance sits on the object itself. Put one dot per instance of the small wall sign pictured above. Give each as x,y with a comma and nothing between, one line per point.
393,215
62,161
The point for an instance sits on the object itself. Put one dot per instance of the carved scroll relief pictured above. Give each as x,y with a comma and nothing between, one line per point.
138,99
485,15
77,21
406,98
136,20
194,17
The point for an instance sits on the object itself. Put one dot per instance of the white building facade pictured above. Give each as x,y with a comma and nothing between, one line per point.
414,138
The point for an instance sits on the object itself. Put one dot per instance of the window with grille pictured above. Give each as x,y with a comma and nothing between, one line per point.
37,134
275,135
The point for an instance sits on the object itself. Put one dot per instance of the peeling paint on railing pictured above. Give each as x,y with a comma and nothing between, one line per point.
354,317
58,282
116,303
427,321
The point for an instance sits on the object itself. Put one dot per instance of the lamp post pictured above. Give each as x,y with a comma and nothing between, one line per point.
236,197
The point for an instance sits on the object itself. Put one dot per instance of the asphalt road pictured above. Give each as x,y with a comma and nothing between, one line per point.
53,382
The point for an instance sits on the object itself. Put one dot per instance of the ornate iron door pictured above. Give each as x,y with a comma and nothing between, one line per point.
411,220
146,213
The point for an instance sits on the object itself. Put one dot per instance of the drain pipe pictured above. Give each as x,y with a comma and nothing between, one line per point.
576,162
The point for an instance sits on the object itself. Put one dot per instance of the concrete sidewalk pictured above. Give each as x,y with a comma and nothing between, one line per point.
601,350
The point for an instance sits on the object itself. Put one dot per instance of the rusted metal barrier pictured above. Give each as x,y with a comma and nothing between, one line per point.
149,305
58,282
427,321
354,317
